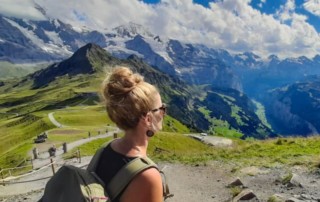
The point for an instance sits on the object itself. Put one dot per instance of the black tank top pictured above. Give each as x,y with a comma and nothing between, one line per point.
109,164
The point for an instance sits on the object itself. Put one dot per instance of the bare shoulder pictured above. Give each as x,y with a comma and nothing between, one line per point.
146,186
151,175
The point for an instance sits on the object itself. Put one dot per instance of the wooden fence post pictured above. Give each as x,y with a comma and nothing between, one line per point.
32,163
1,171
52,166
64,146
2,174
35,153
79,155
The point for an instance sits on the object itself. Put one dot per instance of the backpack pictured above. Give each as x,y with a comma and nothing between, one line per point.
71,183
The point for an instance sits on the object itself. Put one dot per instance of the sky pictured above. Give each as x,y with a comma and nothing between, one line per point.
287,28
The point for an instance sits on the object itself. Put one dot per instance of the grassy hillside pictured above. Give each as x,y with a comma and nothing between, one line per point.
10,70
175,147
18,131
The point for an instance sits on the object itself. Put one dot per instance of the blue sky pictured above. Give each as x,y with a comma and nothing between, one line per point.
286,28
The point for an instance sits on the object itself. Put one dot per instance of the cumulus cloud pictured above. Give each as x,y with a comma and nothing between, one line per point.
229,24
313,6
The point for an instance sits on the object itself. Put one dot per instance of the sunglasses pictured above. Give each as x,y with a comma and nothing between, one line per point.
163,108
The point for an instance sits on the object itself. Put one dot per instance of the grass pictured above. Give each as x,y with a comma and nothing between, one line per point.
172,125
164,146
219,127
274,152
170,145
16,156
10,70
17,137
174,147
88,149
83,116
17,132
80,120
261,113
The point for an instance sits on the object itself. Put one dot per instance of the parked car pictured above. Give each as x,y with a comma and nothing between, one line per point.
41,138
204,134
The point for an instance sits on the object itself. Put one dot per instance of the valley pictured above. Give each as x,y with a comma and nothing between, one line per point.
240,79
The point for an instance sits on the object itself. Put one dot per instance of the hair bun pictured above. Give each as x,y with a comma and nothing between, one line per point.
127,97
122,81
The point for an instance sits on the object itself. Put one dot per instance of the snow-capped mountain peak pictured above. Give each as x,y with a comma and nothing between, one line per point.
131,30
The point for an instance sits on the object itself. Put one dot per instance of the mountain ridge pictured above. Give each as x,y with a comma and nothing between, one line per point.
179,95
195,64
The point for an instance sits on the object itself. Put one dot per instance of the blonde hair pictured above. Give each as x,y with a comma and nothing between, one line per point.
127,97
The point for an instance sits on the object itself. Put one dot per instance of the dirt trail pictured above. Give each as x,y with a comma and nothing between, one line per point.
201,183
193,183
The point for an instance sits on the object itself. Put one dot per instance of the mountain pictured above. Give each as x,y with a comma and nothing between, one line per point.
77,79
32,41
295,109
27,40
87,60
195,64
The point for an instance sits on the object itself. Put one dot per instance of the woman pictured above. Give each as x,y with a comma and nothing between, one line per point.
136,107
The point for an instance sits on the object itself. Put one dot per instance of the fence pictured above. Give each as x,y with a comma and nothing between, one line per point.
8,177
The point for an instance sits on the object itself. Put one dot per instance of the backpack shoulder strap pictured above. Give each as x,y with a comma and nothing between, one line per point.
96,157
126,174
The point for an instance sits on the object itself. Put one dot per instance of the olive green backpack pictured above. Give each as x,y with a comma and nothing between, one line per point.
71,183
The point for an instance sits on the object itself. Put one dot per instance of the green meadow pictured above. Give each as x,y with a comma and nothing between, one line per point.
178,148
171,145
76,104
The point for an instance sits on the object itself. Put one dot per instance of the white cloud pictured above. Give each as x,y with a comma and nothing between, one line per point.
20,9
230,24
286,11
313,6
98,14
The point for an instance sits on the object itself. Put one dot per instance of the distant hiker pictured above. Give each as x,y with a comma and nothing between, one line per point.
52,150
136,107
89,134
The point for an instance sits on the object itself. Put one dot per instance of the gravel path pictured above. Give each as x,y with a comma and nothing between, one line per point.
197,183
54,121
200,183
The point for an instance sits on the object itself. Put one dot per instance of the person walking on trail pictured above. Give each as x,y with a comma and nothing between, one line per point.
52,150
136,108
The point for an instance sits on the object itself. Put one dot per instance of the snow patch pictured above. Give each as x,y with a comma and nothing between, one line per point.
54,37
243,57
49,48
160,48
120,47
56,23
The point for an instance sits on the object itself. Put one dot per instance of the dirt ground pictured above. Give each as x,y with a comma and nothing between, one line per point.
192,183
207,183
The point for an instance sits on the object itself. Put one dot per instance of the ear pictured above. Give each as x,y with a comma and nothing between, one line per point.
148,119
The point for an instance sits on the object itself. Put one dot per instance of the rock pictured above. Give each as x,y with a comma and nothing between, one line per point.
277,198
295,180
236,182
253,170
305,196
245,195
293,200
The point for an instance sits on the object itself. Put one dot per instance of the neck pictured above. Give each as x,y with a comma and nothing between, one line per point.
134,143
